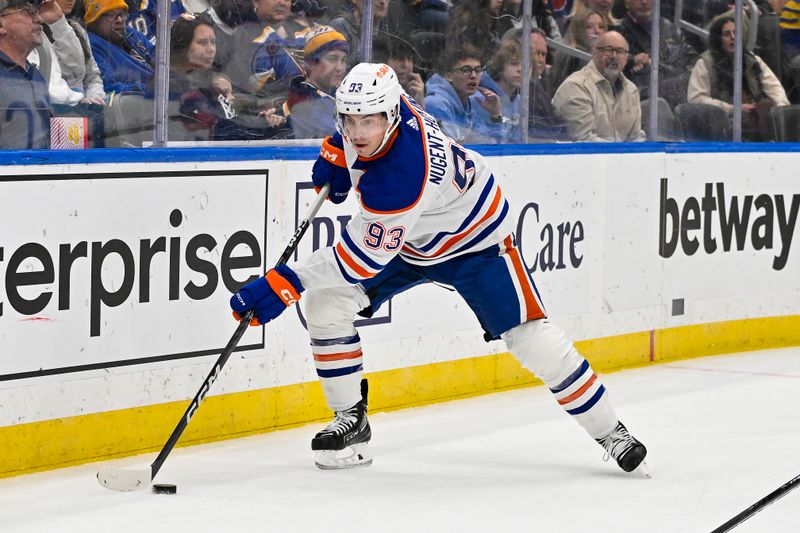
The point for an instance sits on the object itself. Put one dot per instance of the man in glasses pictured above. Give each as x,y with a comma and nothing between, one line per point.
124,56
467,112
598,103
24,100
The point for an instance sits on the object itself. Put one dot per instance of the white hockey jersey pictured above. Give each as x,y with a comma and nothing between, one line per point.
423,197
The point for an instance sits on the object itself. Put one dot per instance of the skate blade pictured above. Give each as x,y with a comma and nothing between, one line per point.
354,456
643,471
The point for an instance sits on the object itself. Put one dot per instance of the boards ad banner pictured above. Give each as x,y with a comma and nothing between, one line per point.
101,270
110,269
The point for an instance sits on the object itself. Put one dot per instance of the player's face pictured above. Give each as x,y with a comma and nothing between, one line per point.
328,71
203,48
366,132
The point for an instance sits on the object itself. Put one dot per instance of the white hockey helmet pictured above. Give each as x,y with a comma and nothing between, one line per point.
369,88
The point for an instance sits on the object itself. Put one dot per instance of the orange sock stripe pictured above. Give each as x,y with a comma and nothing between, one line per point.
282,288
323,358
577,393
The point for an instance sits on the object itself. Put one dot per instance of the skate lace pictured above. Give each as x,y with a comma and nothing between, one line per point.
616,443
342,422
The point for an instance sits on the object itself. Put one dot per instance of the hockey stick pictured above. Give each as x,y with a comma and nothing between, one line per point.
124,479
772,497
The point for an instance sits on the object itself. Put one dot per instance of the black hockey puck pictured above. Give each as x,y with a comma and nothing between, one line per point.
165,488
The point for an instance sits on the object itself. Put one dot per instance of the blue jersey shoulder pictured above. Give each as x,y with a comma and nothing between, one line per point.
394,181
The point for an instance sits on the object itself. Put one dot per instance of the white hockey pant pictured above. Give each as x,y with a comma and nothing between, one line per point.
335,343
544,349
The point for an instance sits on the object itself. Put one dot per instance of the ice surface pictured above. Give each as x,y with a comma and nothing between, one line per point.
722,433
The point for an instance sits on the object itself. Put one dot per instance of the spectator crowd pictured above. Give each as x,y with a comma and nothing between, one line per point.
268,69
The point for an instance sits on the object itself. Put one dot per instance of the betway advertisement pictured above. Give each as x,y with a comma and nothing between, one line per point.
728,224
114,269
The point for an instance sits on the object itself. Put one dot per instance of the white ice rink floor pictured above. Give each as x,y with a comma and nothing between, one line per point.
722,432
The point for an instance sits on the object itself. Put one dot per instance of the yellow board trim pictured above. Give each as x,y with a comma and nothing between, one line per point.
69,441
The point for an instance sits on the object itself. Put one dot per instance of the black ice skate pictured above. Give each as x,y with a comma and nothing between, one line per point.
626,450
344,442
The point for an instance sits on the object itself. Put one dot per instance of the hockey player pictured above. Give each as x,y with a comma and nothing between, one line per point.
429,211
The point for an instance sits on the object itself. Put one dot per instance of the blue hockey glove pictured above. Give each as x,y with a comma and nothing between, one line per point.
331,167
268,295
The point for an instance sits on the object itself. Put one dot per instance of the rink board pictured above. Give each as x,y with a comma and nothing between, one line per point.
114,296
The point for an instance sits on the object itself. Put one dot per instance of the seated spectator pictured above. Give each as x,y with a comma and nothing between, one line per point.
274,16
582,35
67,100
541,17
74,53
476,23
226,16
538,51
44,57
263,58
711,80
597,103
311,104
466,112
275,62
503,76
204,106
123,55
675,55
400,55
24,101
543,123
603,7
348,23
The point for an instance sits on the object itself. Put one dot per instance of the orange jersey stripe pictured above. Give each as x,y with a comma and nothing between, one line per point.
452,241
531,305
338,356
358,269
577,393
